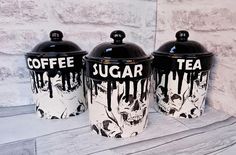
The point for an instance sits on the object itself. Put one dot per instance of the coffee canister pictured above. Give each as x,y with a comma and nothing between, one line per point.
181,73
57,78
118,79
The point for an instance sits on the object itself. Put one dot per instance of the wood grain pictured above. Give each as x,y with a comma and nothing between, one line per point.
161,130
205,140
30,126
16,110
26,147
213,133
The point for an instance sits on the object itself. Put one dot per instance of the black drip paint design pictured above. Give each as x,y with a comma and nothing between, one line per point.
109,95
166,74
73,77
34,81
41,80
181,75
142,88
114,85
146,91
127,91
207,75
174,75
63,79
166,82
111,85
191,76
68,81
159,76
201,76
135,89
96,87
91,91
83,77
191,84
155,77
188,77
165,66
38,81
78,77
50,87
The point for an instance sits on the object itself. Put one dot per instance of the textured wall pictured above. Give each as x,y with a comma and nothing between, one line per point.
24,23
212,23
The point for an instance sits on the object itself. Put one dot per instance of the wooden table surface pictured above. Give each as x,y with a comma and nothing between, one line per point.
23,133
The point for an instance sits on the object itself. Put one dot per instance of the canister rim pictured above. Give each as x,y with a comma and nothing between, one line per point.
183,55
118,60
56,54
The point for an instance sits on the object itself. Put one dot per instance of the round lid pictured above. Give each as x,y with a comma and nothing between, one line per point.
56,45
182,47
117,49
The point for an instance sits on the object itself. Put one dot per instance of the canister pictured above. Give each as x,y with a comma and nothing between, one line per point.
118,78
57,77
181,70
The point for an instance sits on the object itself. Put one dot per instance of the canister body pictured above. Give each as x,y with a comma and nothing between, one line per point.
180,85
57,85
118,102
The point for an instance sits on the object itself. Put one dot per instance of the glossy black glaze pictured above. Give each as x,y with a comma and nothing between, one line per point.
165,60
118,36
117,49
182,47
56,45
56,48
121,54
56,35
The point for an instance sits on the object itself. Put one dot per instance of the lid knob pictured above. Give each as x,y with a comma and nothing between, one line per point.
182,35
118,36
56,35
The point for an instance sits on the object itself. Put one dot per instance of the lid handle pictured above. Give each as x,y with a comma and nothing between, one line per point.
56,35
118,36
182,35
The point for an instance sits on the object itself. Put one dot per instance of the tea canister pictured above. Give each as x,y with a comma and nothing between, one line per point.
118,78
57,78
181,72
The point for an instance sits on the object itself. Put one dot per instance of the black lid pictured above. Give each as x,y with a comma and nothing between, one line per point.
56,46
117,50
182,47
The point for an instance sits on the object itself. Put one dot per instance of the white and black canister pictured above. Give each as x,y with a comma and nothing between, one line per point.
57,78
118,78
181,73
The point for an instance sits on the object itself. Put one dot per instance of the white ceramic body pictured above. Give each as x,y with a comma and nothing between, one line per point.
124,119
61,103
182,105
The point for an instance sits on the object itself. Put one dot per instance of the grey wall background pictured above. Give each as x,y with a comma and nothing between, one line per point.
149,23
